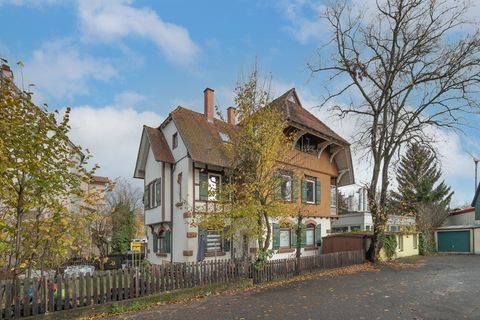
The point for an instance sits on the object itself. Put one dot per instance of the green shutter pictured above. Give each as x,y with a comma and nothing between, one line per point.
318,192
168,241
276,236
293,237
304,236
158,191
294,189
203,186
304,190
145,198
226,240
155,242
318,235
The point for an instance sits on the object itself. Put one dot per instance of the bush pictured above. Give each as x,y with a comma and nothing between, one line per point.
390,245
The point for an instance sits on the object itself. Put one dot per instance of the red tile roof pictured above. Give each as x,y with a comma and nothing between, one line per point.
202,137
100,180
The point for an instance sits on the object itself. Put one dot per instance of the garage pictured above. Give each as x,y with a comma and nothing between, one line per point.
454,241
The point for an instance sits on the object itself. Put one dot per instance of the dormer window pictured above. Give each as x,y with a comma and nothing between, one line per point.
224,137
175,140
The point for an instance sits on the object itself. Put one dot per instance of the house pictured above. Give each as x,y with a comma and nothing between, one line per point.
182,159
460,233
407,243
358,218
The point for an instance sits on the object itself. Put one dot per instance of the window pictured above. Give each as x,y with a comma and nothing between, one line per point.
415,241
367,228
208,186
333,196
339,229
224,137
355,228
393,228
310,235
152,197
284,238
400,242
286,188
213,184
162,242
310,192
175,140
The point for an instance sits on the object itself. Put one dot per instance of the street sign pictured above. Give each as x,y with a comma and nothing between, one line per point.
136,246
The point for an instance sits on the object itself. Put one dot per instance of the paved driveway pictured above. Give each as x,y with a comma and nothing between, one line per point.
446,287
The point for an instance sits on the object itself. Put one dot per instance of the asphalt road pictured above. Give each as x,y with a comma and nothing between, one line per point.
446,287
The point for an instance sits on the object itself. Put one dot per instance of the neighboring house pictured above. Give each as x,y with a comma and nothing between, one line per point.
359,218
407,243
460,233
182,159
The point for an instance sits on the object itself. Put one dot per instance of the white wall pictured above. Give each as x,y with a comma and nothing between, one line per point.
460,219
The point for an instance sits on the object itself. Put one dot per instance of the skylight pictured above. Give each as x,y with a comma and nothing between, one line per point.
224,137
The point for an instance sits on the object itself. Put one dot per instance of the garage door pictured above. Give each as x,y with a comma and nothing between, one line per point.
453,241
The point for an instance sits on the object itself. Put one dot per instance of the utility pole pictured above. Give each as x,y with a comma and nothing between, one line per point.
476,160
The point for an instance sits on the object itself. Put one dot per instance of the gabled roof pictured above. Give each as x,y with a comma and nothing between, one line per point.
289,104
154,138
160,148
201,136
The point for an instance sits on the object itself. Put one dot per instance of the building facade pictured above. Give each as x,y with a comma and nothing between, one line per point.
182,159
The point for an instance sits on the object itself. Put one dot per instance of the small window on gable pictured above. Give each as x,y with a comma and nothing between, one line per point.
175,140
224,137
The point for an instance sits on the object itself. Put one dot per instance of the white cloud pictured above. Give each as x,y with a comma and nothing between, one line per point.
115,19
58,69
112,135
128,99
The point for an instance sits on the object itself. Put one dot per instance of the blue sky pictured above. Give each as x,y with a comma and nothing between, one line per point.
121,64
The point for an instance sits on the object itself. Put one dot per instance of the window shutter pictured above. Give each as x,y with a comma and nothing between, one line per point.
155,242
318,192
304,236
145,197
226,240
318,235
158,191
168,241
304,190
276,236
294,189
203,186
293,237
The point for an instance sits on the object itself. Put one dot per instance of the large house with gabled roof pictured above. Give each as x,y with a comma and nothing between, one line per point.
180,161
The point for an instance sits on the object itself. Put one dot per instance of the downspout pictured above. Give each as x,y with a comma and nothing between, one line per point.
172,168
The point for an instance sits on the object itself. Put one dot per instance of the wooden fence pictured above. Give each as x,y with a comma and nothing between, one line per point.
286,268
39,296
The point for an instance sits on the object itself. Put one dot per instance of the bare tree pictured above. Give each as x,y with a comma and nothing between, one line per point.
409,69
429,218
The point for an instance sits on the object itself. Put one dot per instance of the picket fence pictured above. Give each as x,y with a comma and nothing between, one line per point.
24,298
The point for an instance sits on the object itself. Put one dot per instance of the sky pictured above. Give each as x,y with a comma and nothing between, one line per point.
120,64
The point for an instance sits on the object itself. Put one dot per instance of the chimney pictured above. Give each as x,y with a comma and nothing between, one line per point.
231,115
208,103
6,72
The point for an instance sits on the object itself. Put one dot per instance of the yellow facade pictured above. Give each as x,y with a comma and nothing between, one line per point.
408,248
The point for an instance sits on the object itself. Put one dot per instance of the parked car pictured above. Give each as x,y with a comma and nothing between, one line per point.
79,270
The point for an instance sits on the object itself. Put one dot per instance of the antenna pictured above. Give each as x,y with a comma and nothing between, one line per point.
475,160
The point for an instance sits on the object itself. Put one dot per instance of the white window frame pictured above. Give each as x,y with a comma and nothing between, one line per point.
333,196
310,229
286,179
289,233
313,182
214,237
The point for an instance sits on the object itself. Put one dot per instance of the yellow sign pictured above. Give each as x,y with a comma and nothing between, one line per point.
136,246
